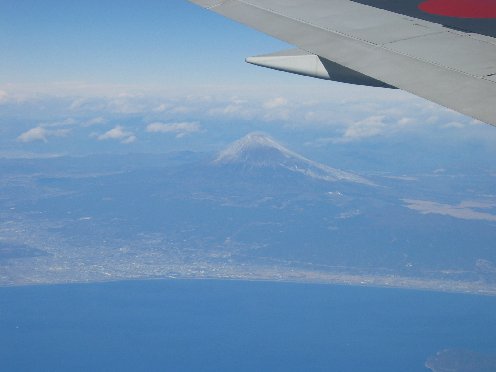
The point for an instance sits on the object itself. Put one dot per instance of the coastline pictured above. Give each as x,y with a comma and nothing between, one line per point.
294,277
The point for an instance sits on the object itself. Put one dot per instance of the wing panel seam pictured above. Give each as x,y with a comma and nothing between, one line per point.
381,46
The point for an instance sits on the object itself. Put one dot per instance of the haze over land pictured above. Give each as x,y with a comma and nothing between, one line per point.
254,210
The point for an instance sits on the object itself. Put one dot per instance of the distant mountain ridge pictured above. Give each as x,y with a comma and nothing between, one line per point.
257,150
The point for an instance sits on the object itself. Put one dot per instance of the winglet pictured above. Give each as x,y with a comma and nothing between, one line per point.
297,61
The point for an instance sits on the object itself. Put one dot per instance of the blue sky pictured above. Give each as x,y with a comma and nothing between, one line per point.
123,42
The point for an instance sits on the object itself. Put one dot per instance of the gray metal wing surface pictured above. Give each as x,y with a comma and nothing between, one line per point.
454,68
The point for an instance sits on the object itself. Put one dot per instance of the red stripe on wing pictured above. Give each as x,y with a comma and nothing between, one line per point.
460,8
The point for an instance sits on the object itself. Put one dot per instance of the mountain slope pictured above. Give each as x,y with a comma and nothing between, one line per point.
258,150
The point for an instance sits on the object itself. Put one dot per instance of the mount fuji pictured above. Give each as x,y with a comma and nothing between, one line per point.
259,151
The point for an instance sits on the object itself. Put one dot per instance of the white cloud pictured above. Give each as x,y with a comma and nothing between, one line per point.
454,125
181,110
126,103
95,121
128,140
77,103
236,107
376,125
278,115
34,134
238,101
276,102
118,133
369,127
161,108
403,122
227,110
179,129
60,123
3,96
41,134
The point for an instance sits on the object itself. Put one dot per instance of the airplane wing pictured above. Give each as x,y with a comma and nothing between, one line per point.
441,50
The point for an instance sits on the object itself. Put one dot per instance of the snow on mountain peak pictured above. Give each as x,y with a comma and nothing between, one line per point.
257,150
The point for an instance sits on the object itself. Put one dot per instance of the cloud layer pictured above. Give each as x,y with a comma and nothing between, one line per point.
334,114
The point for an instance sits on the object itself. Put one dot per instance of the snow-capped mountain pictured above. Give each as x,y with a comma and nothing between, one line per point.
258,150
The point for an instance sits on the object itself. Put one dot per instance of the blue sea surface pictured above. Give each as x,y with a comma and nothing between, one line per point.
203,325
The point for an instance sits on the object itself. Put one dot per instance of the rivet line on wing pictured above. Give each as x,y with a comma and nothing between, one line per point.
303,21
